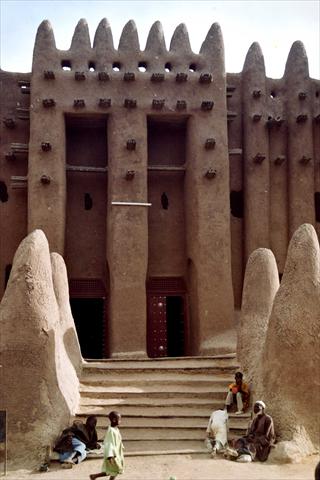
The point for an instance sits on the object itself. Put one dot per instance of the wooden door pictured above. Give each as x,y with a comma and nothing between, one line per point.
157,326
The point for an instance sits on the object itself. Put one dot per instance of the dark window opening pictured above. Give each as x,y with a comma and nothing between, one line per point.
167,140
273,94
142,67
87,201
168,67
192,67
317,94
3,192
280,277
317,205
86,140
89,318
66,65
164,201
236,203
92,66
116,66
7,272
175,326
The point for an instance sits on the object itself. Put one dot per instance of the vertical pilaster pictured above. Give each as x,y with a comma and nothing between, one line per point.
277,126
256,155
300,145
127,234
47,176
208,214
316,148
46,171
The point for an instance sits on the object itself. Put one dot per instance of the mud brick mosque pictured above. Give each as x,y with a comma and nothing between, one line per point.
155,174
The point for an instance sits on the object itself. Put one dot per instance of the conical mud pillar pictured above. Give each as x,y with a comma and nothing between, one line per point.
291,356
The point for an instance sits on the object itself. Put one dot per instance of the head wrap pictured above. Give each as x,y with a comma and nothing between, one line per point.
261,403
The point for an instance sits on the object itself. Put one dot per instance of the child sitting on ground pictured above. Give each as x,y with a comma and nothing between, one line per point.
113,462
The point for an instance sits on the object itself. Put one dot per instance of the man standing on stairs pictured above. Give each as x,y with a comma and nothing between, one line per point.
238,394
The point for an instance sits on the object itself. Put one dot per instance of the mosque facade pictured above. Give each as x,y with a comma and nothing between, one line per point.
156,174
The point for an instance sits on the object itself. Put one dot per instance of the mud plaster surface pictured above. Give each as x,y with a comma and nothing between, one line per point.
182,467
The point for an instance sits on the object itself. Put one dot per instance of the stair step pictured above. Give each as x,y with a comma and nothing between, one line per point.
154,401
158,375
156,412
161,389
164,362
164,411
173,421
165,403
162,446
141,433
153,447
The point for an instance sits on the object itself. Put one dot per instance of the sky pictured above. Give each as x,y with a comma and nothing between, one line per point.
275,24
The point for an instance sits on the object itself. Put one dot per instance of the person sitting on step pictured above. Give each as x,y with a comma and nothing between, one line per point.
258,441
73,443
238,394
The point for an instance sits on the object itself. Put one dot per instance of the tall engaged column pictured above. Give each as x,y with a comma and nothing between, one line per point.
46,174
127,234
300,146
208,213
278,175
256,155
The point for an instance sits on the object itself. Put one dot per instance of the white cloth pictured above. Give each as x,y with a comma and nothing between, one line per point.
229,400
218,427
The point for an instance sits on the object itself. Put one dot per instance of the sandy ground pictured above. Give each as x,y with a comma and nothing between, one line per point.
181,467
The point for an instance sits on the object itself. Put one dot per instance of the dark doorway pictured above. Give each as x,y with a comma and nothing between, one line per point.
175,326
89,318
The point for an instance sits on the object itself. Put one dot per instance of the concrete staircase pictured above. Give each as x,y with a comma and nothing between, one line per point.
165,403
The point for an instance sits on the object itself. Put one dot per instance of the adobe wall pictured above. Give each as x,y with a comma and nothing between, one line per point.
14,131
244,176
134,96
275,162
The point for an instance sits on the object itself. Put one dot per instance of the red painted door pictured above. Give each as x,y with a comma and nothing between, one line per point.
157,326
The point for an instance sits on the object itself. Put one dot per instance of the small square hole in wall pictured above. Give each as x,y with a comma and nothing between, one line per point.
142,67
168,67
164,201
273,94
92,67
3,192
192,67
88,203
116,66
66,65
236,203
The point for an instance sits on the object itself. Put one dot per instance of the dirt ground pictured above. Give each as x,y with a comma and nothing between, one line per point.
180,467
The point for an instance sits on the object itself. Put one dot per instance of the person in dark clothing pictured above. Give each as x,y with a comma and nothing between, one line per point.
260,435
76,440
